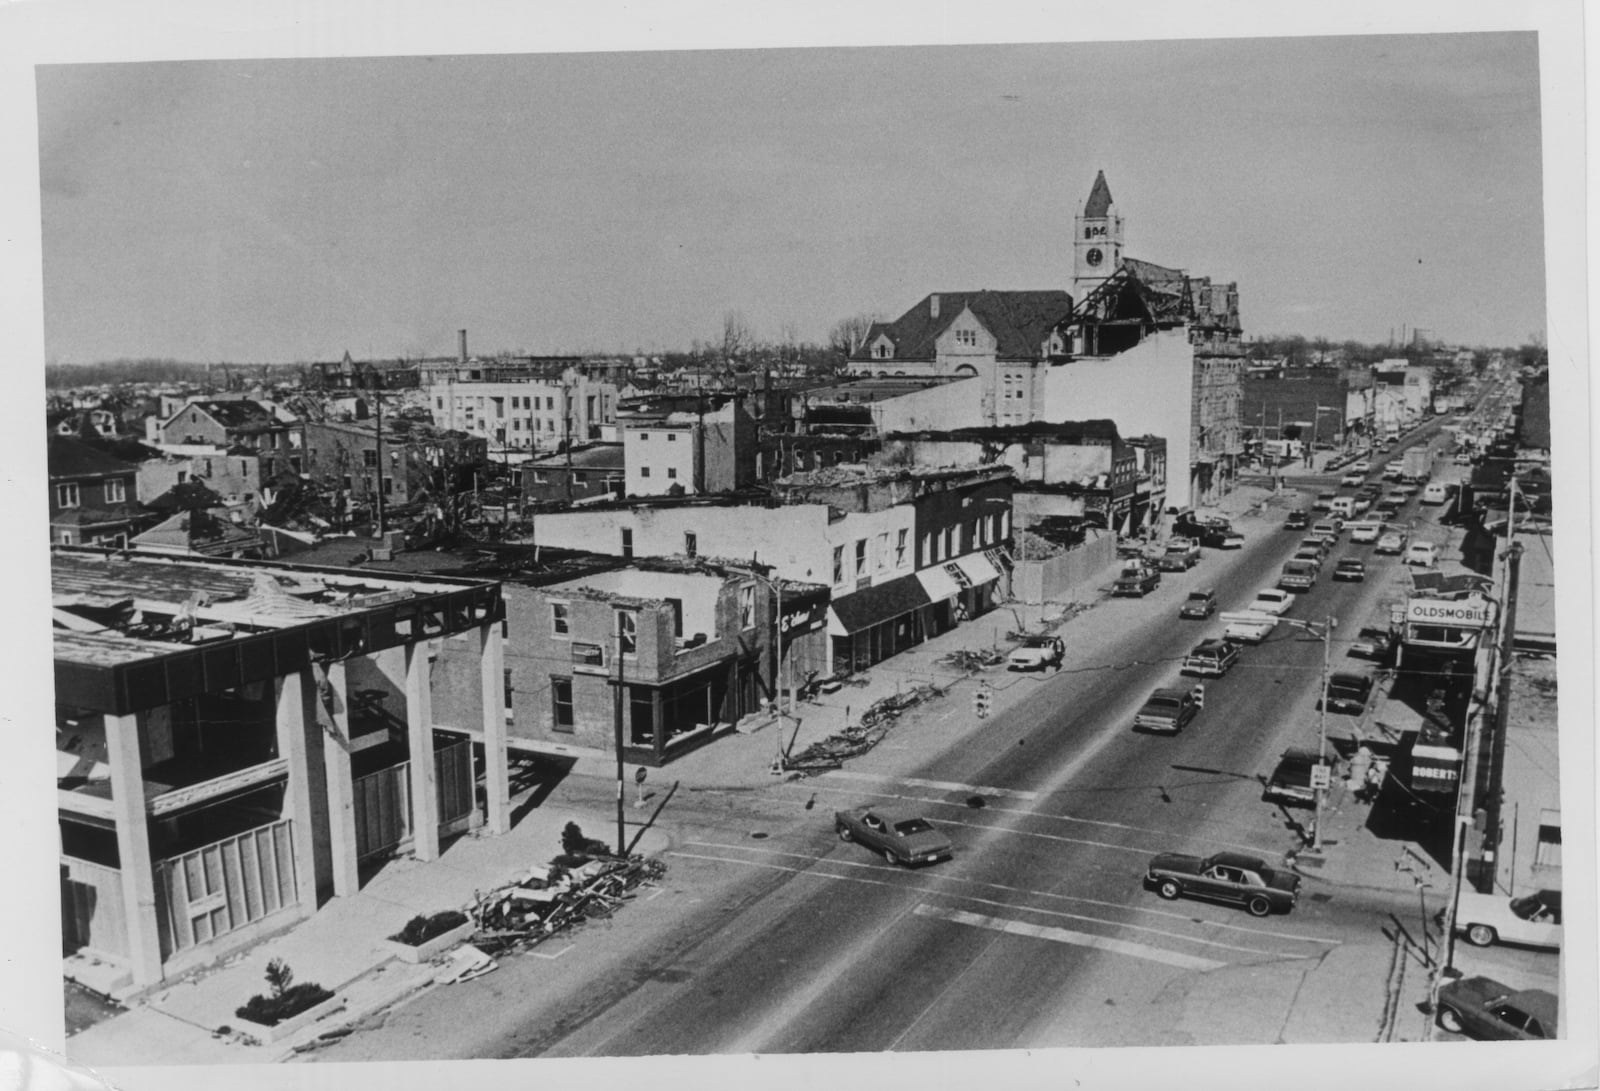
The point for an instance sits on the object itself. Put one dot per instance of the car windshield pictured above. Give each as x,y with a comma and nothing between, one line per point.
1198,596
1532,907
913,825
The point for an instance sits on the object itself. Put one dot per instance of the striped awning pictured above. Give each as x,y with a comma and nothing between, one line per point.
978,569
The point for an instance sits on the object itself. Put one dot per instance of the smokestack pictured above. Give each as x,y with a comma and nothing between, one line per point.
461,340
933,305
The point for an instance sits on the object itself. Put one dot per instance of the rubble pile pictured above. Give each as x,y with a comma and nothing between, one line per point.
546,900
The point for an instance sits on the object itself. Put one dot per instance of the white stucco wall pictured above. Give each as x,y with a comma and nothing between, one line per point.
947,406
1146,391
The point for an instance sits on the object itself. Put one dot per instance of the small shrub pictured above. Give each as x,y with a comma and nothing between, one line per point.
279,976
420,929
575,844
272,1010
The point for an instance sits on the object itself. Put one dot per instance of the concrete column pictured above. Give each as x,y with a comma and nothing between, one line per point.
496,774
333,718
424,770
305,799
133,848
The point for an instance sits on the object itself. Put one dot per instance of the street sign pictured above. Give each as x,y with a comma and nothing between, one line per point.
639,775
1321,777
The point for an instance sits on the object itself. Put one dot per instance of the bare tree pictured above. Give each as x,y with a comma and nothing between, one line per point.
737,337
849,334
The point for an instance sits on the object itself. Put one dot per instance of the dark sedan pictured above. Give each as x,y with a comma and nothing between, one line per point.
1199,604
1350,568
1348,693
902,837
1227,877
1481,1007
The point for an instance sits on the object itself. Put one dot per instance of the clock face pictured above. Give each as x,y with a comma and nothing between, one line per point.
1093,256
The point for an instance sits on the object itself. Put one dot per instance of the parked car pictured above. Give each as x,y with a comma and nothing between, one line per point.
1436,493
1366,531
1481,1007
1392,470
1272,600
1422,554
1328,531
1324,501
1210,658
1299,573
1347,692
1353,477
1225,876
1396,496
1290,781
1533,919
1166,710
1199,604
1393,541
902,836
1362,466
1181,555
1037,653
1136,582
1318,544
1295,520
1373,643
1353,569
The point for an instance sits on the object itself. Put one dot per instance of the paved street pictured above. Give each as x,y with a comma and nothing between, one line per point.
774,937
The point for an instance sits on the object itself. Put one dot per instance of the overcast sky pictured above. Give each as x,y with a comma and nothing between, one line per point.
293,209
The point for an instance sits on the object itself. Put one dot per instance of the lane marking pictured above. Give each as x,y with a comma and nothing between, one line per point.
552,958
946,876
1166,834
941,785
1066,935
1182,937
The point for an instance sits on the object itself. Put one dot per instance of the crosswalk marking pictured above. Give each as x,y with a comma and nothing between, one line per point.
1066,935
941,785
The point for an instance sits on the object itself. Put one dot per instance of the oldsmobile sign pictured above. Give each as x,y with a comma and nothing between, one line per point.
1455,614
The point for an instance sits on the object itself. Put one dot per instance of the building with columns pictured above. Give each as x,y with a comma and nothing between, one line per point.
235,740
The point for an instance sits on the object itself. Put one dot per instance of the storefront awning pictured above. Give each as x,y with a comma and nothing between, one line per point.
978,568
873,605
938,583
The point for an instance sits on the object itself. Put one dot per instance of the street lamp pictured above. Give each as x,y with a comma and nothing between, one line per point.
1326,635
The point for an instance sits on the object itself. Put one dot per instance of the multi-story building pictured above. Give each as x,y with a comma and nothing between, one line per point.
693,643
582,473
346,456
689,452
905,554
93,496
1318,405
522,404
230,753
238,423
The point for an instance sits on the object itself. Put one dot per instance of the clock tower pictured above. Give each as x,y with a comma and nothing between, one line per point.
1097,240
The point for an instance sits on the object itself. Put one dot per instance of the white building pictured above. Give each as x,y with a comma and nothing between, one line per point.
532,414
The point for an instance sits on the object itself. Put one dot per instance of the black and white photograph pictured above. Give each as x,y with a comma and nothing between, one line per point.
897,545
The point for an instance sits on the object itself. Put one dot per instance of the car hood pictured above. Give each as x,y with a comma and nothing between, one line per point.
1475,991
1177,862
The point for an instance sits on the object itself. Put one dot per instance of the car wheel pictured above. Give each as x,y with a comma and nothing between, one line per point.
1450,1020
844,834
1259,906
889,856
1169,889
1480,935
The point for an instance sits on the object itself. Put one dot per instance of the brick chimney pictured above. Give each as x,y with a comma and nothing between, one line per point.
933,305
461,343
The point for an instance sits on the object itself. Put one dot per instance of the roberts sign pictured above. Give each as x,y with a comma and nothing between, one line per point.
1464,614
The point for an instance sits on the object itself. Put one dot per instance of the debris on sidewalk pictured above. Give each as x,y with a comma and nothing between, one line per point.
543,901
465,963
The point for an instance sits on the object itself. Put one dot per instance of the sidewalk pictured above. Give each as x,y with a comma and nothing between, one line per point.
339,948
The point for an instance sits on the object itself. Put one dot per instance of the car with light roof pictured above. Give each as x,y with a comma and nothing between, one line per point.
1353,477
1272,600
1347,692
1393,541
1036,653
1290,782
1532,920
1225,877
902,836
1422,554
1483,1008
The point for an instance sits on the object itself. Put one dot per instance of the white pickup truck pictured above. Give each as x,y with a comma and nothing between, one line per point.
1366,530
1248,626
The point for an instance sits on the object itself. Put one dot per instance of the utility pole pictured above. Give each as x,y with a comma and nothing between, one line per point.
378,397
622,835
1322,732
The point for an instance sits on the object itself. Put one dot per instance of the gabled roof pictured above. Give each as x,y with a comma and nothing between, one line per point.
1019,321
197,532
239,413
70,457
1099,202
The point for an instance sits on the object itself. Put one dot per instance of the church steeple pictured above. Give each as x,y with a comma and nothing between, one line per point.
1099,203
1096,241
